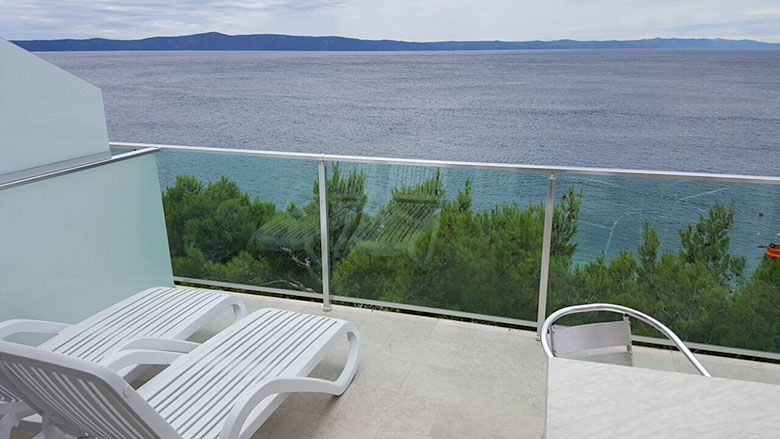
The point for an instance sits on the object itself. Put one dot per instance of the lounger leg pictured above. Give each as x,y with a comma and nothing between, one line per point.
12,417
6,425
352,362
50,431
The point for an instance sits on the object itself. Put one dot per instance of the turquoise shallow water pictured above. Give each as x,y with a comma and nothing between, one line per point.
714,111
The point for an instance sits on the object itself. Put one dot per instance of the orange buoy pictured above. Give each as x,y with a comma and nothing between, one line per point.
773,251
760,213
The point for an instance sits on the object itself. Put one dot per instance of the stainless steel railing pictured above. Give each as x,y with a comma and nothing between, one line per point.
553,171
701,176
69,167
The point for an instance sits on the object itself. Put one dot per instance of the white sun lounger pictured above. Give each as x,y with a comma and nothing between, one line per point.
174,313
225,388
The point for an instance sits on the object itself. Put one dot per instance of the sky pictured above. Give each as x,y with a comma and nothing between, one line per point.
410,20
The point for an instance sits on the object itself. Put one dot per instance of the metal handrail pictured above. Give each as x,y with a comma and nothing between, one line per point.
701,176
44,172
577,309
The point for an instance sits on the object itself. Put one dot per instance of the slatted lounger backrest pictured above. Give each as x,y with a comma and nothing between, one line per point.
79,396
155,312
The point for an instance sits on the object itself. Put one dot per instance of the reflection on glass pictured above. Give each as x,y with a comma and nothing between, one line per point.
242,219
689,253
463,240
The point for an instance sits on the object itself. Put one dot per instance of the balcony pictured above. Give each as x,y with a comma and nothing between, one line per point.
450,369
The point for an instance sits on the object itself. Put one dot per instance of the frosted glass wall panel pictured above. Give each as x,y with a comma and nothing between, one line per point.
75,244
47,115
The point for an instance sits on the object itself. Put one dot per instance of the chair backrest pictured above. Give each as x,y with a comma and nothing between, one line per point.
78,396
590,342
604,334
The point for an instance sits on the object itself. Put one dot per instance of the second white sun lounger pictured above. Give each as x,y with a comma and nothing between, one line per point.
223,389
173,313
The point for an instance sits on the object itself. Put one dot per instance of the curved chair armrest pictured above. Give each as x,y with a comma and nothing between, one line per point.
27,326
253,395
139,357
576,309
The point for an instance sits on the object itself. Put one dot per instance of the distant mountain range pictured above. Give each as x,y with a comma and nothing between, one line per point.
218,41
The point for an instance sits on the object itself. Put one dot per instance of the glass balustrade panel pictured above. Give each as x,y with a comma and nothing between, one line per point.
692,254
243,219
463,240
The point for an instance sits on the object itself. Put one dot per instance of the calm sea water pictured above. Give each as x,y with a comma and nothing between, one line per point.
716,111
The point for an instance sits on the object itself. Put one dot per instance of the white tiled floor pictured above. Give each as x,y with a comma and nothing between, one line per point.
419,377
422,377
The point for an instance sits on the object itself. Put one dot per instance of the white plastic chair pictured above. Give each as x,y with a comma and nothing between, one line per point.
225,388
174,313
586,342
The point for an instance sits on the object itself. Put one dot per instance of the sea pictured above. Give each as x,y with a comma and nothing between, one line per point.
704,111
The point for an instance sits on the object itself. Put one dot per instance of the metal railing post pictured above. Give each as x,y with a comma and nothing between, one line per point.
546,243
323,184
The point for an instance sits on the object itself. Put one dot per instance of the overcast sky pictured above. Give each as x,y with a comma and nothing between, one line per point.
411,20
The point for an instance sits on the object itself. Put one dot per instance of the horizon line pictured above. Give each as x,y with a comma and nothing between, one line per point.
407,41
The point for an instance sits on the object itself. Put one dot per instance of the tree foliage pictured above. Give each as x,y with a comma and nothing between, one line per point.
217,219
425,249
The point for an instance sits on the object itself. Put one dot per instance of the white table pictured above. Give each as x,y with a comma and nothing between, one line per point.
591,400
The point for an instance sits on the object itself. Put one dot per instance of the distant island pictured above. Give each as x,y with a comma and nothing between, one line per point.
218,41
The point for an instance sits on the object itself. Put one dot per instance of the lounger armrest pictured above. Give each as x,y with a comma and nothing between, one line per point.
146,351
155,344
139,357
27,326
253,395
239,309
